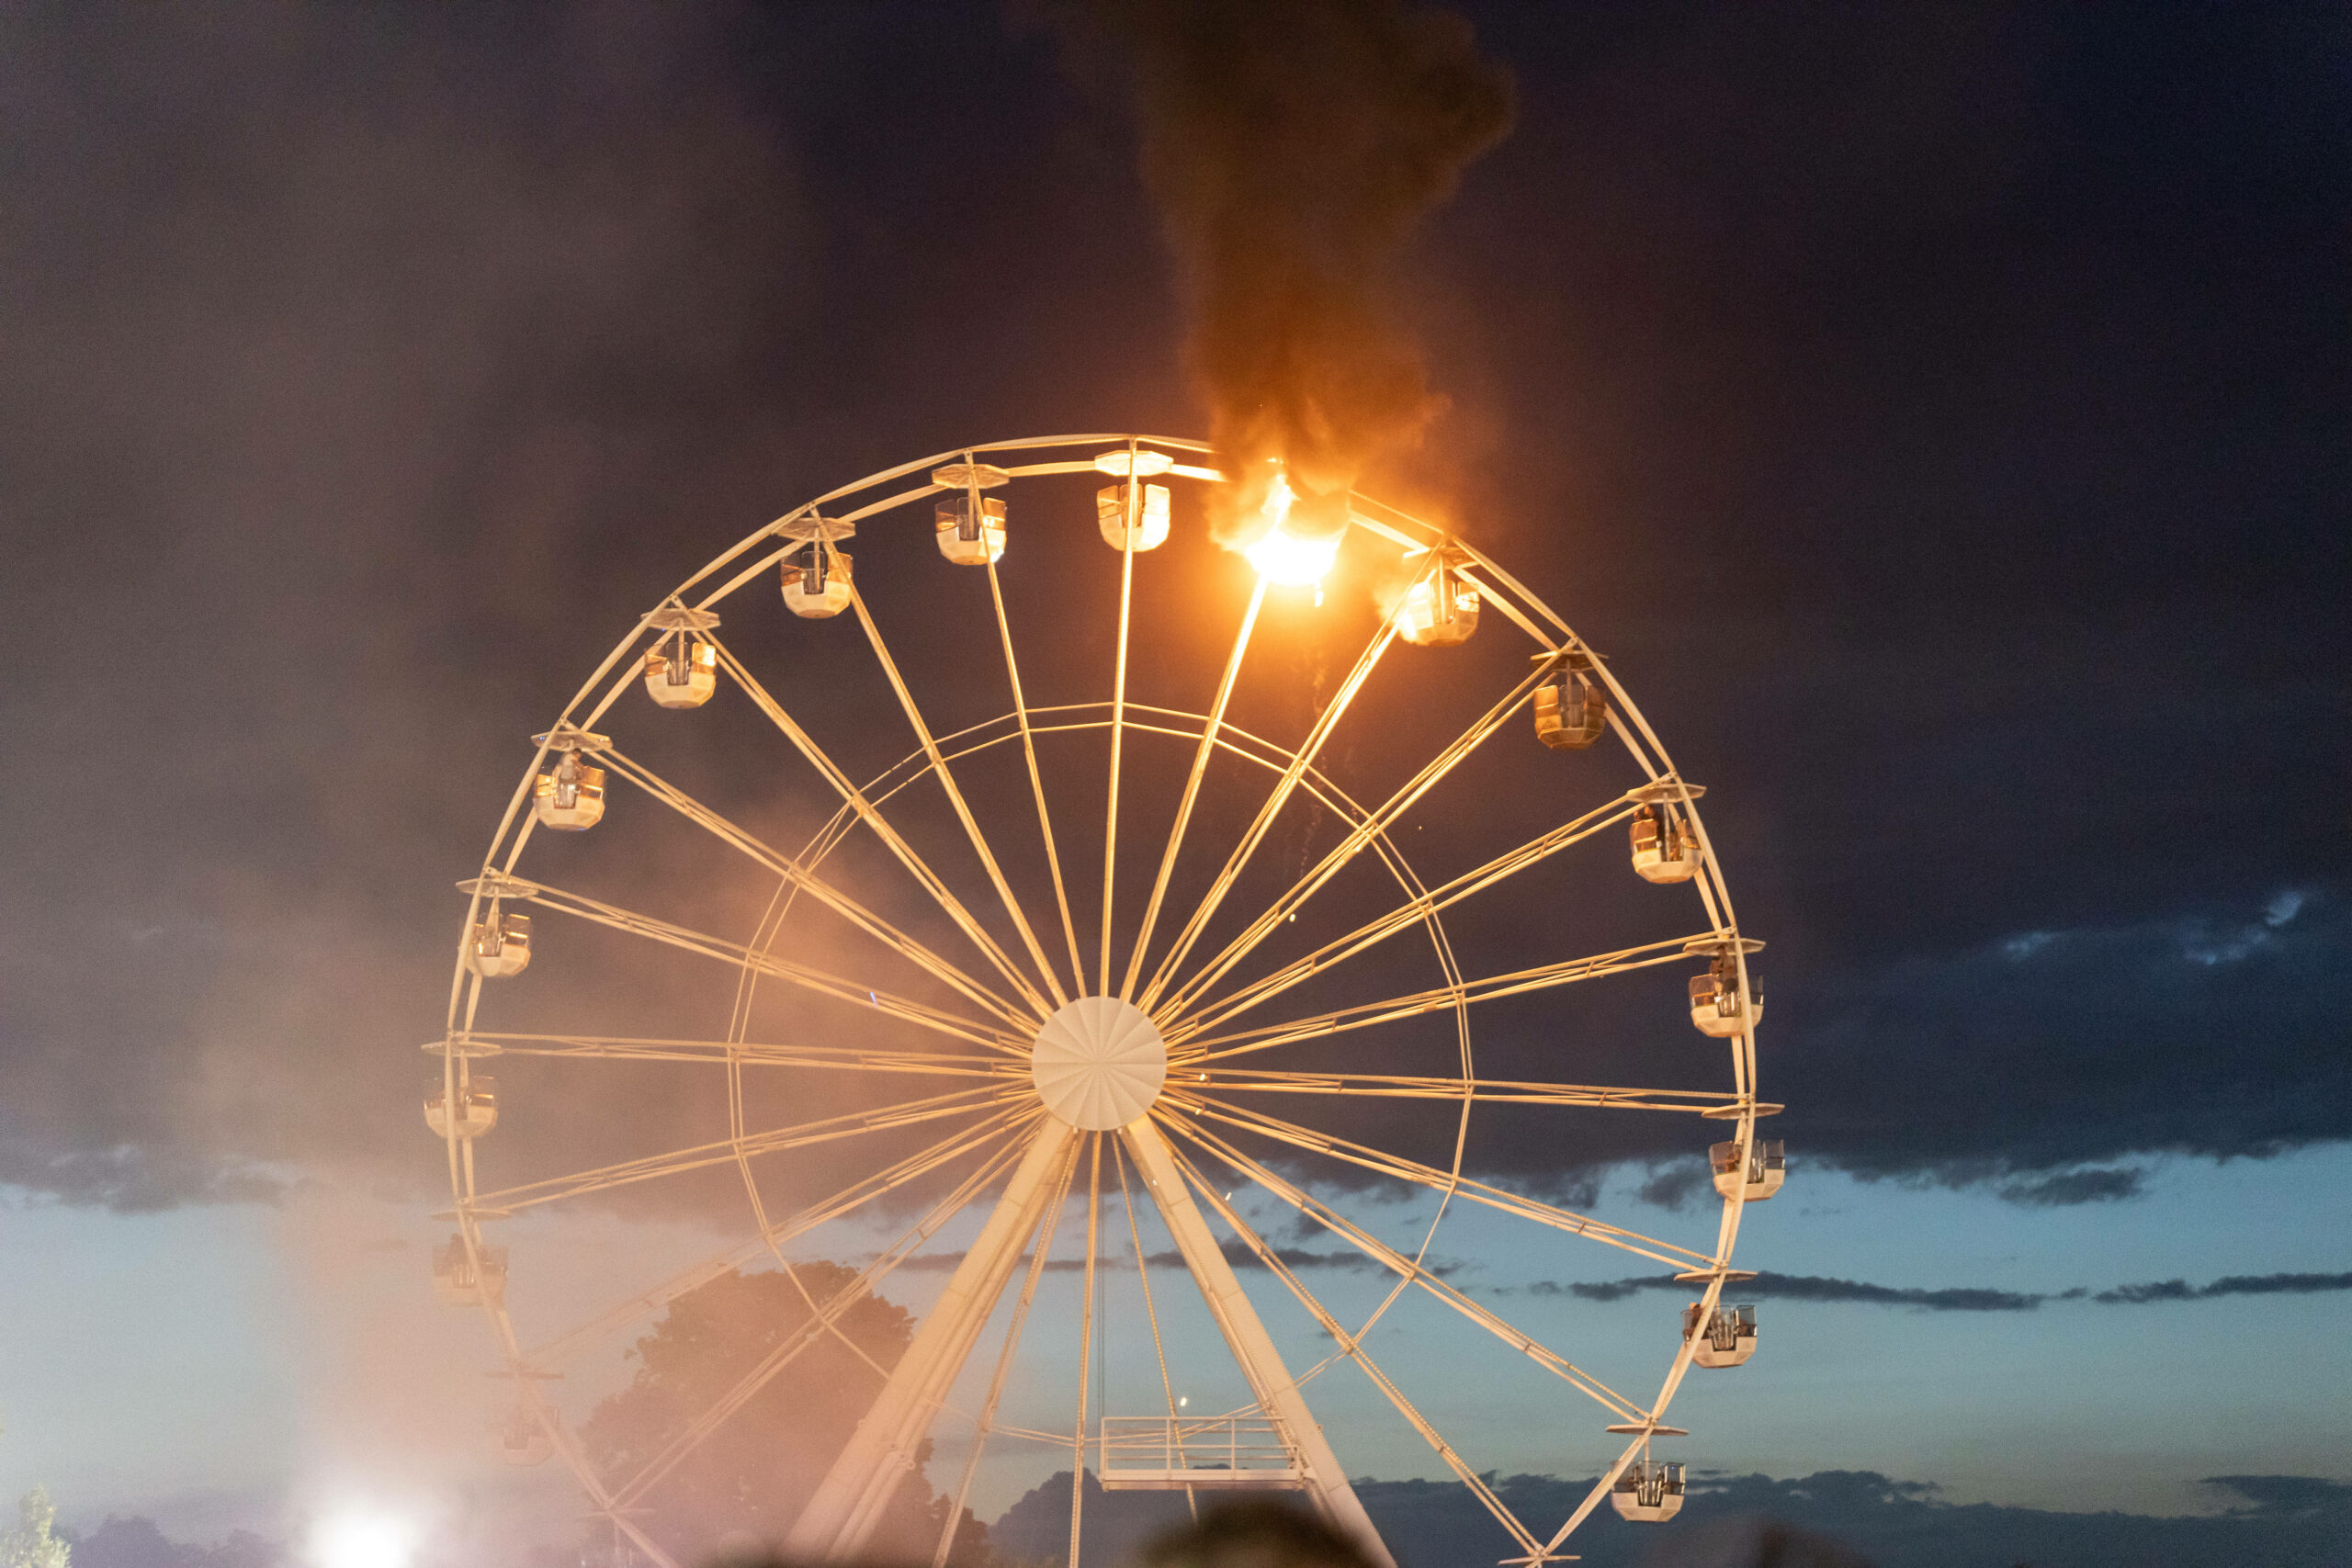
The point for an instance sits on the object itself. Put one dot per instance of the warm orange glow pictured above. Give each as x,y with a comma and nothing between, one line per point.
1284,558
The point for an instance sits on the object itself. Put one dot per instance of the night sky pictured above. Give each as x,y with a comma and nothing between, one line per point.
1937,415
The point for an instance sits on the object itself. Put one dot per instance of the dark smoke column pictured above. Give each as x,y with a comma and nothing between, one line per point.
1292,145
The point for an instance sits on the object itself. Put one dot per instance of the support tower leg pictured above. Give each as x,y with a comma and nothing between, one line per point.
841,1516
1270,1381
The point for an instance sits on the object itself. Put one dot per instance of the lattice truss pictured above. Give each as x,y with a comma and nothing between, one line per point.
1065,1044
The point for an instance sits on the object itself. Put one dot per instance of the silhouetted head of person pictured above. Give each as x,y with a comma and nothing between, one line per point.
1256,1533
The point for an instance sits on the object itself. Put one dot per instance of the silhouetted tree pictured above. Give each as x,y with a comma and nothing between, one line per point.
749,1479
136,1542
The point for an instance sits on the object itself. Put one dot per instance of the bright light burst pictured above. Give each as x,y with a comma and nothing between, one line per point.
1282,557
363,1538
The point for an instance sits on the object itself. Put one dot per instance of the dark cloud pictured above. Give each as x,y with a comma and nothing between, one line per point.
2068,1188
333,346
2037,1024
2286,1494
360,376
1676,1185
1815,1288
1936,420
2228,1285
1802,1288
132,1179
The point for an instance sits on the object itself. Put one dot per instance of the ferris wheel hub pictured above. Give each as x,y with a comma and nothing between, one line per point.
1099,1063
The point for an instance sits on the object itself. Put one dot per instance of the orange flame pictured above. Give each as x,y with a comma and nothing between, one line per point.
1282,555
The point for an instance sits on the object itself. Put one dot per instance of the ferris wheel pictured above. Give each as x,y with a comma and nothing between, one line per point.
1118,962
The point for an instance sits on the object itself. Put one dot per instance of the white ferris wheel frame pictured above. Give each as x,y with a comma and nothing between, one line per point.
1013,1132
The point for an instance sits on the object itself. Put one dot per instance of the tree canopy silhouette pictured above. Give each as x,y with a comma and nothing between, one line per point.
746,1482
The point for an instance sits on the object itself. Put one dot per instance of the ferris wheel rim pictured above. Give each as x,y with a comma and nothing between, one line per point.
1529,612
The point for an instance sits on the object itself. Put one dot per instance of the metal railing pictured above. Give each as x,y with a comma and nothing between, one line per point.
1228,1449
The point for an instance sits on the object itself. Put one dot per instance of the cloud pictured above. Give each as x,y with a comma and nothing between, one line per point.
1676,1184
130,1179
1815,1287
350,456
334,415
2217,1011
2071,1187
2229,1285
2286,1494
1803,1288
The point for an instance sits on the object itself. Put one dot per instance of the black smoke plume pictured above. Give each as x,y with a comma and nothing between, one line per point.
1291,148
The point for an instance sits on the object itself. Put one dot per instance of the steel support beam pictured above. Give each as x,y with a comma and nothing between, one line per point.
841,1516
1270,1381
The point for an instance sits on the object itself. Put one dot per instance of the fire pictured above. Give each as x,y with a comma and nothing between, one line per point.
1282,555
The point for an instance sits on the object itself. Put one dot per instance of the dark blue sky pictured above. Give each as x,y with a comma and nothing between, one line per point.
1936,414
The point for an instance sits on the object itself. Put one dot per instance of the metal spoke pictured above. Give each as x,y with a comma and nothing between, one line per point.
1405,916
1036,779
826,1058
1300,762
1043,1241
1004,1125
1432,773
1118,734
856,800
1183,1049
946,777
1150,1313
1506,1091
822,1318
885,1002
1353,1349
1201,756
674,1162
1086,1333
1389,1257
1672,1254
783,865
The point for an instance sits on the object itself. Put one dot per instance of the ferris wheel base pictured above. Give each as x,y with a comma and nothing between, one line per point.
1205,1480
840,1520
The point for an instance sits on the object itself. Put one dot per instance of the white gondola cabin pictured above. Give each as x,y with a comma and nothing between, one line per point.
569,798
1571,709
1439,609
969,538
1767,1168
681,667
816,573
1665,846
1719,1007
682,672
1727,1338
522,1441
816,583
1124,516
458,1280
501,944
477,1107
1648,1493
